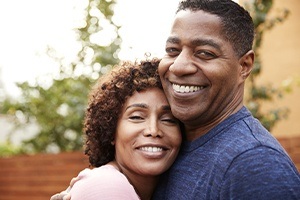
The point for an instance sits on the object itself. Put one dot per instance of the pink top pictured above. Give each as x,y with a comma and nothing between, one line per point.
105,183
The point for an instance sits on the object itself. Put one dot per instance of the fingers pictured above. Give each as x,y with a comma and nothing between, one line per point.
68,189
73,181
61,196
67,197
64,195
53,197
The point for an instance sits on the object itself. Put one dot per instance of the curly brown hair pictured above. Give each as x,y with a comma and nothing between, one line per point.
106,101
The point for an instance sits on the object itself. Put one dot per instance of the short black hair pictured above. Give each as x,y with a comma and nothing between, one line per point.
237,24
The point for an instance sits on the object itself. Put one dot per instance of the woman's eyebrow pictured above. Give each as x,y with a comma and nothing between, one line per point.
139,105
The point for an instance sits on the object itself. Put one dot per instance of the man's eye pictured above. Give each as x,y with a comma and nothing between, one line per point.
205,55
172,51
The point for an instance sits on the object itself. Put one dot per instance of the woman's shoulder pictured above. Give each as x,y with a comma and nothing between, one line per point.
105,170
106,174
105,181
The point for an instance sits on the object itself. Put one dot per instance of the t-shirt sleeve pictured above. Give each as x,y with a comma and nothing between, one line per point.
261,173
102,183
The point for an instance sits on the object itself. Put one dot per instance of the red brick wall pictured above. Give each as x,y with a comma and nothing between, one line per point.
292,146
40,176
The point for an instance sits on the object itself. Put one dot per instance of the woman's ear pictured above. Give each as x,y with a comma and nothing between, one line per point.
246,63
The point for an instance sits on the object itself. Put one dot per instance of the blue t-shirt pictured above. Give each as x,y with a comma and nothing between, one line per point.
238,159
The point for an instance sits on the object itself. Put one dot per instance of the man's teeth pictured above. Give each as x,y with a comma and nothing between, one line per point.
186,89
151,149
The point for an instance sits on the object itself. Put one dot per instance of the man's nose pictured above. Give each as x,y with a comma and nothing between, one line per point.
183,64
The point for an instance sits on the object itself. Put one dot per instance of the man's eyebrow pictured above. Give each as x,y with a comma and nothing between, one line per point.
139,105
173,40
195,42
204,42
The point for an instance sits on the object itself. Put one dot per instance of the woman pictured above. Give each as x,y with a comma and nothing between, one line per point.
131,135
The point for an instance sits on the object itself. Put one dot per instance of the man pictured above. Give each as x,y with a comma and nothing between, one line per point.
227,153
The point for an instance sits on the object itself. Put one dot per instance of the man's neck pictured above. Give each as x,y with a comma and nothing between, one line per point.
194,131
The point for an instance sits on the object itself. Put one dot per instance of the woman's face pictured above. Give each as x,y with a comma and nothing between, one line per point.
148,136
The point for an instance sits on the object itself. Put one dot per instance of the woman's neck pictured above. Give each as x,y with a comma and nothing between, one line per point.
144,185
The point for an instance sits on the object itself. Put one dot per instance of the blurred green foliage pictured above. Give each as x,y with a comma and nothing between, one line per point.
7,150
58,110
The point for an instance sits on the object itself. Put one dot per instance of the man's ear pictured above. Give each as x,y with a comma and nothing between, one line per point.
246,63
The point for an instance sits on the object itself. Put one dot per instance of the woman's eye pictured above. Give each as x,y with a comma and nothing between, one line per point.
170,120
135,117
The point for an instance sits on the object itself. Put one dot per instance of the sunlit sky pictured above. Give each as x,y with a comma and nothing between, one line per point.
28,27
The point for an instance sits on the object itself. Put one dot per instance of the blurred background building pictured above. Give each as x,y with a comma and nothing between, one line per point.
281,64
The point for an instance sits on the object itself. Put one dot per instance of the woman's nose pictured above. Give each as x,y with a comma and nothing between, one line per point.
152,129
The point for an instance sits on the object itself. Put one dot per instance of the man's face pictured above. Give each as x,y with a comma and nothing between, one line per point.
200,72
